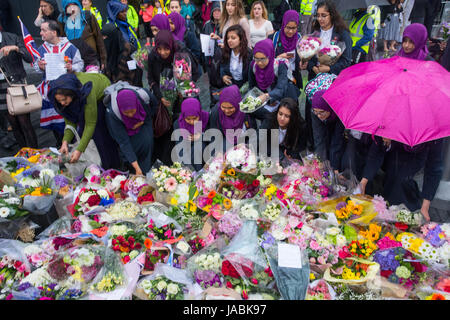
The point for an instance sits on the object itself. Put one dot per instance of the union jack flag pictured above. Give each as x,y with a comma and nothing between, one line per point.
29,42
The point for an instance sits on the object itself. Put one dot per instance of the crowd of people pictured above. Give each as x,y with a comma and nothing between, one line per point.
105,98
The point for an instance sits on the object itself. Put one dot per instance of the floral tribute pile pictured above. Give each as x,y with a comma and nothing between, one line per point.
223,232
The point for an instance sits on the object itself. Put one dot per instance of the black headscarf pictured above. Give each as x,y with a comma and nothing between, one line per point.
55,14
115,46
75,111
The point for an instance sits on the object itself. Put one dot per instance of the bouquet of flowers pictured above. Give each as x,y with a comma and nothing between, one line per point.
37,256
400,266
321,253
403,215
15,166
167,179
127,242
112,275
161,288
182,72
168,88
77,265
206,265
437,235
134,185
166,232
230,224
214,204
166,283
141,58
93,175
52,291
124,210
445,29
421,247
250,103
320,290
89,199
307,47
352,271
38,195
10,209
359,249
241,158
114,180
329,55
12,270
153,256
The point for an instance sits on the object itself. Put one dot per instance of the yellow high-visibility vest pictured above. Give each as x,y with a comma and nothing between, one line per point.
357,32
306,7
376,15
98,16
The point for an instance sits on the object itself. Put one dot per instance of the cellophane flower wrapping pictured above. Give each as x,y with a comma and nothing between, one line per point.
14,265
111,278
59,227
168,86
320,290
292,283
330,54
251,102
205,266
167,283
15,166
141,57
182,72
307,47
76,267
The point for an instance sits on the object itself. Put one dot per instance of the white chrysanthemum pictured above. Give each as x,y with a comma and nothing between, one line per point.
30,182
13,201
85,196
333,231
4,212
84,257
46,174
444,252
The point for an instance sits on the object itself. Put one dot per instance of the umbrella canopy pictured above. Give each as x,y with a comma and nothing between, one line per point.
342,5
398,98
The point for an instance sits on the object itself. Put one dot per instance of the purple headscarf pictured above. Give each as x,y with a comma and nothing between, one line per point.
128,100
189,108
418,34
231,95
289,43
318,102
180,25
161,22
264,77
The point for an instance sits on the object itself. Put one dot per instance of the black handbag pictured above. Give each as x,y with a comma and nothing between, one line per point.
162,122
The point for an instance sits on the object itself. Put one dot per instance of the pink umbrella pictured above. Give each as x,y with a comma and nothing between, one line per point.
398,98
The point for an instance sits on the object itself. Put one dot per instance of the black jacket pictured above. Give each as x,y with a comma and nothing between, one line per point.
225,69
12,64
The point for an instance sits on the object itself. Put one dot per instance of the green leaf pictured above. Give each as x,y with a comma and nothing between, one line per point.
192,191
350,233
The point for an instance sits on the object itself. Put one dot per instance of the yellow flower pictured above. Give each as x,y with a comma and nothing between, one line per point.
34,159
207,208
312,276
77,274
390,236
415,244
173,201
191,206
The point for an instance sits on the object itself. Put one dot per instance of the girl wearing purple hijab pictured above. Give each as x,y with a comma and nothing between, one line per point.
177,25
270,76
159,22
228,115
284,42
188,37
414,45
129,121
328,132
190,116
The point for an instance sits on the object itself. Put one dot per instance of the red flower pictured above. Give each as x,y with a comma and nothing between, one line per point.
116,248
17,264
254,281
126,259
229,270
386,273
114,242
138,246
229,285
418,267
255,183
401,226
244,294
131,240
209,201
239,185
94,200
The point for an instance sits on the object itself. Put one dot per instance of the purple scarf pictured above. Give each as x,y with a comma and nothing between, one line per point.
318,102
127,100
189,108
161,22
289,43
231,95
180,25
418,34
264,77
